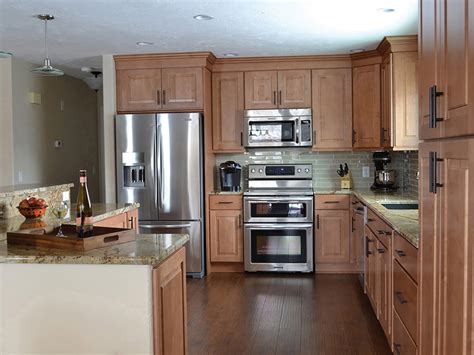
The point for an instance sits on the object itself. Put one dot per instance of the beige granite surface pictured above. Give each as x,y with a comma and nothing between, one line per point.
148,249
100,211
217,192
405,222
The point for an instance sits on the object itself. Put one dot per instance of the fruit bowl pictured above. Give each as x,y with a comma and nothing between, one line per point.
32,207
32,212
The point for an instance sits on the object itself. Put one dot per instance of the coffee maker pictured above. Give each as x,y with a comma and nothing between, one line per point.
230,173
384,179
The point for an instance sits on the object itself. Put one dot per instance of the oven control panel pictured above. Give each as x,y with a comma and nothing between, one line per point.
280,171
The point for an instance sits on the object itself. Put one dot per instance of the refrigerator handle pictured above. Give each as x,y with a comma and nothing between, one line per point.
160,166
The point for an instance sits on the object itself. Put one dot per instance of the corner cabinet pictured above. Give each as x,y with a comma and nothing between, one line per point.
332,109
366,106
227,112
277,89
169,306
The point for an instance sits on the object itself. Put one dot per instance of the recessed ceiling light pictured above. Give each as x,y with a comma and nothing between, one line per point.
144,43
357,50
385,10
231,54
203,17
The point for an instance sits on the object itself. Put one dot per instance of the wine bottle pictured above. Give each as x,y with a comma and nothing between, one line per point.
83,208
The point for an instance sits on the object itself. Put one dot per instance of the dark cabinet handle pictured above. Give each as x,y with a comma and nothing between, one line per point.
331,202
382,232
279,97
225,202
241,139
433,111
433,172
274,97
314,137
353,220
381,251
355,202
353,136
400,299
158,100
396,348
370,220
367,241
317,221
164,97
131,222
400,253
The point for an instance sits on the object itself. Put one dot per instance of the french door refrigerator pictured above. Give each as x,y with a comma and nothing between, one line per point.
160,165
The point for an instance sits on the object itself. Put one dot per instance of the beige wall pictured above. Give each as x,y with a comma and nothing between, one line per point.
36,127
6,123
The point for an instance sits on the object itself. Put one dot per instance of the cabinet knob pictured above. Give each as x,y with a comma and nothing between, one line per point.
400,253
131,222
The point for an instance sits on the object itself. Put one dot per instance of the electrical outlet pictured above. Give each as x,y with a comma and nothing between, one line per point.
366,171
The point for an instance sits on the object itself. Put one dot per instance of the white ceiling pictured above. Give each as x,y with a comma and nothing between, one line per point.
85,29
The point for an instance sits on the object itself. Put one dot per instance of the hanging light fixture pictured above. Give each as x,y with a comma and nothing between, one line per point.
5,54
46,69
95,81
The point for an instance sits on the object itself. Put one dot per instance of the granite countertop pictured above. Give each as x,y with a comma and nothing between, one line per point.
30,189
216,192
100,211
148,249
405,222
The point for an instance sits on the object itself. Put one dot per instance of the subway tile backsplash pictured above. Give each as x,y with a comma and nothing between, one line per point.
325,165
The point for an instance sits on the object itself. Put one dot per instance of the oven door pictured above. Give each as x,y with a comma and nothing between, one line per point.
279,247
271,132
271,209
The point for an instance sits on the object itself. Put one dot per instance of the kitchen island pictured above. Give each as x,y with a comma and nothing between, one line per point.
127,298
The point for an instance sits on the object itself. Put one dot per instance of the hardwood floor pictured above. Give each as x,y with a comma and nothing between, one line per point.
239,313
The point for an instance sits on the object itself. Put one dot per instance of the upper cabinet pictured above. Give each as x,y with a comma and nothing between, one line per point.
154,83
366,106
227,111
399,75
446,55
277,89
332,109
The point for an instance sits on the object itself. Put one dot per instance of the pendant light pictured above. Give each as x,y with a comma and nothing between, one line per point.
46,69
5,54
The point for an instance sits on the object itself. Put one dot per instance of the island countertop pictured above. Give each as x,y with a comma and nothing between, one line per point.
148,249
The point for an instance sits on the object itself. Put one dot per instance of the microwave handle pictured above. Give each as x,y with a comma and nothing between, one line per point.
298,129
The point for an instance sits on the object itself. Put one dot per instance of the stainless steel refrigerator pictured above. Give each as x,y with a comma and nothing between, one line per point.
160,165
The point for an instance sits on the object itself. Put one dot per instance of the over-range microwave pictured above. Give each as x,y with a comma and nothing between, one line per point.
278,128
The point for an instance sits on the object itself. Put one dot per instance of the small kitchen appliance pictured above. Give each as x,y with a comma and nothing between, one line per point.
384,179
230,173
278,218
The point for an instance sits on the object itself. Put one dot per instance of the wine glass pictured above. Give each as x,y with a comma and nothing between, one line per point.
60,210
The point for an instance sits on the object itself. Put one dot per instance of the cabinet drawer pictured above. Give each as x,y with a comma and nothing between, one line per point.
332,202
407,256
225,202
402,343
381,229
405,298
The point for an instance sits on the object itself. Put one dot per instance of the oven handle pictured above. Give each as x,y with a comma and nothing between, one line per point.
278,199
277,225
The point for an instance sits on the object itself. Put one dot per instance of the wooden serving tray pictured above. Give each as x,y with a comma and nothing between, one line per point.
46,238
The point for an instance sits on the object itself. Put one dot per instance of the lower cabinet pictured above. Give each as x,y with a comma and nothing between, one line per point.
370,271
169,305
124,220
402,343
384,286
226,234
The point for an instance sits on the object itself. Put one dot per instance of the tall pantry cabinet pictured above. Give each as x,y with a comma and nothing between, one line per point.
446,87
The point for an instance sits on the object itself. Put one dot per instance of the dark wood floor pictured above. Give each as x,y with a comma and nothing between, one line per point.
260,314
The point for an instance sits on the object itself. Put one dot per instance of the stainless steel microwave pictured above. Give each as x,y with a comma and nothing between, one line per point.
278,128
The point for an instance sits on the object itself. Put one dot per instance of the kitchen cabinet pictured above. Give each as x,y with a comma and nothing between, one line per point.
138,90
333,234
277,89
169,305
124,220
332,109
366,106
370,267
446,54
182,88
227,112
446,250
384,287
358,234
399,74
226,229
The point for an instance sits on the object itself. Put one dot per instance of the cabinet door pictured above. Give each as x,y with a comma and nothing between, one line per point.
428,31
332,236
226,236
138,90
405,100
227,111
182,88
332,108
119,221
132,219
169,306
384,287
261,89
370,267
294,88
366,100
386,87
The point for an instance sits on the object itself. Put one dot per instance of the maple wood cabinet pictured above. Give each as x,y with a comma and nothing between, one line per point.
226,229
446,60
182,88
332,109
169,305
138,90
366,106
446,248
370,271
227,111
277,89
124,220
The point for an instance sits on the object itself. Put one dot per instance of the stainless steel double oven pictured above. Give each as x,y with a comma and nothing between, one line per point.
278,218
